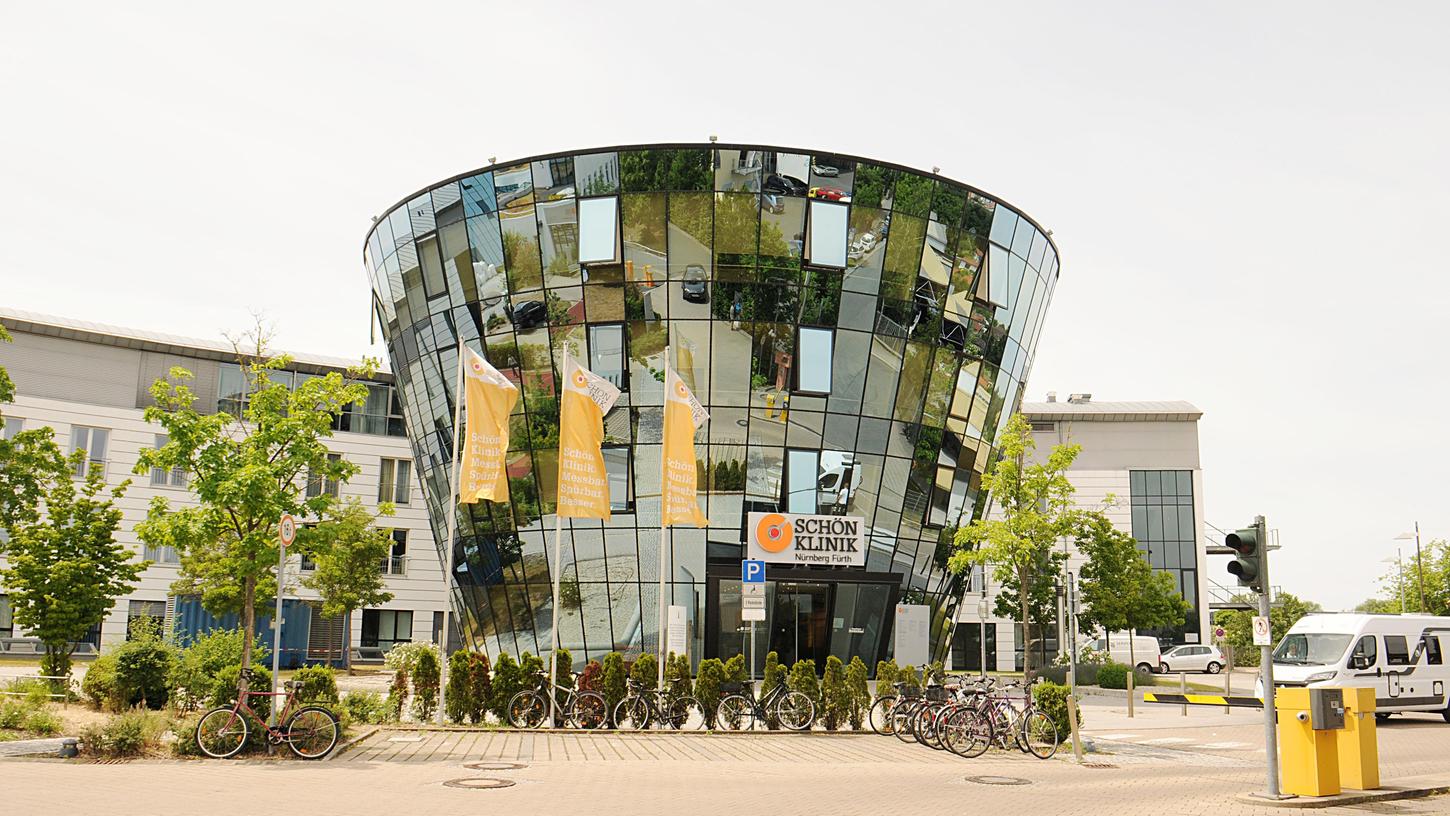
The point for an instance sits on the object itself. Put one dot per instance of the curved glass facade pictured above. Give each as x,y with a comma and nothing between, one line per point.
858,331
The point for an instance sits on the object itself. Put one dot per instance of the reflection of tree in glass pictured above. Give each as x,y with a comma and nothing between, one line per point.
872,185
642,217
947,204
521,260
912,195
648,170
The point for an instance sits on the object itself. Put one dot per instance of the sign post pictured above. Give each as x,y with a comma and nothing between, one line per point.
286,534
752,600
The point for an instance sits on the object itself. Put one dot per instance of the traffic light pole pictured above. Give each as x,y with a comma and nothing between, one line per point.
1266,666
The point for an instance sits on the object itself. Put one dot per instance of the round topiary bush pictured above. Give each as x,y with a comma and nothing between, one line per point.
1113,676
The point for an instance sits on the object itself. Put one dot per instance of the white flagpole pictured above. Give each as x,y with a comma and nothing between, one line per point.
452,527
664,536
554,627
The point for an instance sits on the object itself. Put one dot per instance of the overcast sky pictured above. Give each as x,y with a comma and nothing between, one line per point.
1247,199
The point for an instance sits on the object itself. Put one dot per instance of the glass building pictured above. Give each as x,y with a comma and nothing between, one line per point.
859,332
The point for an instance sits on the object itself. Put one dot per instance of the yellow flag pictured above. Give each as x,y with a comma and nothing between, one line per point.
683,414
489,398
583,483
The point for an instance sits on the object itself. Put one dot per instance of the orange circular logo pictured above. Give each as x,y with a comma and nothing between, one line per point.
580,380
773,533
681,390
477,366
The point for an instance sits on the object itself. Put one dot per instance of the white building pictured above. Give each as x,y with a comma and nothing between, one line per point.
90,383
1145,456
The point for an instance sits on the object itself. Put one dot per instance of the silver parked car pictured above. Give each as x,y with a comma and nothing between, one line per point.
1192,658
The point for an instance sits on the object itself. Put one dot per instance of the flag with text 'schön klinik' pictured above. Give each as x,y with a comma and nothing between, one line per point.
683,415
583,482
488,399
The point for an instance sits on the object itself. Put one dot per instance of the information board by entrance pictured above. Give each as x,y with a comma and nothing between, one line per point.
806,540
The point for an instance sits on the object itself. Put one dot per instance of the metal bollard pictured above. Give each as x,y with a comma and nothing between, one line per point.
1183,689
68,749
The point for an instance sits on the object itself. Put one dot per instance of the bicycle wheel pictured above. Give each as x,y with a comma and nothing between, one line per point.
312,732
1039,735
527,709
927,721
588,710
966,733
902,720
795,711
735,713
880,715
632,712
679,712
221,732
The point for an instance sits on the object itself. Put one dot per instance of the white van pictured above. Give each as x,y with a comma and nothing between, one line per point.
1146,654
1401,656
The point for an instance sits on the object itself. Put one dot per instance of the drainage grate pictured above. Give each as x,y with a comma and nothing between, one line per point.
495,766
479,783
1098,765
998,780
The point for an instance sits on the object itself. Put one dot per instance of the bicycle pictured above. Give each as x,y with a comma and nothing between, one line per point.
642,706
740,711
310,731
1032,731
585,709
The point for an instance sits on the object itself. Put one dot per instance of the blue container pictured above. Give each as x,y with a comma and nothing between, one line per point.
192,621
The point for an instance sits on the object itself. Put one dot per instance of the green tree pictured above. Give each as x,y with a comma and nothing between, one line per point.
613,680
65,569
1431,570
859,691
1121,592
835,695
246,472
645,671
346,553
507,681
1238,624
1035,501
1378,606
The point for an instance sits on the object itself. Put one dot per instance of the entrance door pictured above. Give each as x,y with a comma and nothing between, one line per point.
798,623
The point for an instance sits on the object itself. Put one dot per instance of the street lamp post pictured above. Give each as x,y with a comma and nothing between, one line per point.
982,609
1419,568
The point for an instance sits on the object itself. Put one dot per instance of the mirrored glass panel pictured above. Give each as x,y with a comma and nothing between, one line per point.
826,229
599,230
816,350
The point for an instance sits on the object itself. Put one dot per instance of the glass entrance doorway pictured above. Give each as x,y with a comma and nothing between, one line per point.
809,615
798,622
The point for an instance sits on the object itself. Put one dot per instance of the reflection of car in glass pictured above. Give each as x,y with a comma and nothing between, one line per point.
837,484
825,170
830,194
696,289
528,314
864,244
567,192
1191,658
772,203
784,185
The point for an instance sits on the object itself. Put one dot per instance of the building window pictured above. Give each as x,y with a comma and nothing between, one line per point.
7,617
160,477
160,555
385,628
380,413
813,372
802,475
231,390
606,354
616,468
318,484
93,441
394,484
826,234
599,230
152,612
397,561
13,426
1163,524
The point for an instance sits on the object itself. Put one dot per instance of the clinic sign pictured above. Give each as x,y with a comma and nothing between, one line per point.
806,540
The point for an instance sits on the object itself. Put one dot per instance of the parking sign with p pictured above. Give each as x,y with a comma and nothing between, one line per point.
752,571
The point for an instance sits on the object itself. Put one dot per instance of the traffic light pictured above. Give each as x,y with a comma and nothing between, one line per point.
1247,566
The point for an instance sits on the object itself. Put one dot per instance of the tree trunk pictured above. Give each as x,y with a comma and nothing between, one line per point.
1026,627
249,625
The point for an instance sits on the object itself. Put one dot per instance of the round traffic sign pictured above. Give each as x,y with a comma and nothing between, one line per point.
1219,632
287,529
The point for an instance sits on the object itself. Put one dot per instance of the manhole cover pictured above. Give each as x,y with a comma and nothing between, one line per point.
478,783
999,780
495,766
740,422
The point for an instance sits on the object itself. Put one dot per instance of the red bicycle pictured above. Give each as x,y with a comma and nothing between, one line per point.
310,731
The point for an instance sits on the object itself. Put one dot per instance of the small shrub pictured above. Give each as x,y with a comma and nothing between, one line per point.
677,677
458,696
645,671
319,686
1051,699
612,677
194,671
592,678
712,675
13,714
397,695
426,676
143,667
774,677
365,706
43,721
224,690
735,669
835,698
99,684
480,686
885,678
507,681
1113,676
130,734
532,669
803,679
184,729
907,675
859,691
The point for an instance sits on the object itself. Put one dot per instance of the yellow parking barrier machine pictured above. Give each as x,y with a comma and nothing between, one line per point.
1359,756
1310,721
